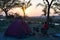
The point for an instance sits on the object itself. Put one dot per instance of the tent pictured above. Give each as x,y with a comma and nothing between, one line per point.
18,29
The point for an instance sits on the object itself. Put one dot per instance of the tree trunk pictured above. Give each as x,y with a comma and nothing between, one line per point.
24,14
48,14
49,5
5,12
23,8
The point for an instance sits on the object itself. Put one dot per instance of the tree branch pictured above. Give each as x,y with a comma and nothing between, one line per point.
47,2
29,1
28,4
44,2
51,2
12,2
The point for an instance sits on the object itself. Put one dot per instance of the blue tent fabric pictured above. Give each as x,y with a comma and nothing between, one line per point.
18,28
56,35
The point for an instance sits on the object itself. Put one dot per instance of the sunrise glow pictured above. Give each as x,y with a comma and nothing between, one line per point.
32,10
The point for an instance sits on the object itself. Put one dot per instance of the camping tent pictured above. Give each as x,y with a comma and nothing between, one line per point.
18,29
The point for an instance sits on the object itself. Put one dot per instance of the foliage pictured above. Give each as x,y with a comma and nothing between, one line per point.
6,5
25,6
55,5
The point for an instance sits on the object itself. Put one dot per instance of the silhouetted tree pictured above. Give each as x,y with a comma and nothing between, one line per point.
5,5
56,6
25,6
49,6
45,7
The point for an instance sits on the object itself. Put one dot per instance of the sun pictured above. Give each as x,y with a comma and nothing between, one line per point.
27,11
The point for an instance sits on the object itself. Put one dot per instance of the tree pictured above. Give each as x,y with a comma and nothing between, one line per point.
45,10
25,6
45,7
49,6
56,6
5,5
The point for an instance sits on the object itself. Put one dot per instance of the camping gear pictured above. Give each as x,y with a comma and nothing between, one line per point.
56,35
18,29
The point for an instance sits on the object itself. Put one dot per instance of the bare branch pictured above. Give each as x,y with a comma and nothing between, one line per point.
39,4
44,2
47,2
29,1
51,2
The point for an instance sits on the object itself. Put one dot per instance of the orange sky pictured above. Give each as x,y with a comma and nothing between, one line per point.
31,11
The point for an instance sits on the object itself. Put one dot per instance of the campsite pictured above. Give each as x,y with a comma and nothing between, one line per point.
5,23
29,19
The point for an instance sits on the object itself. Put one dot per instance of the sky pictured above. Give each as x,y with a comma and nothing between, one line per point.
34,2
32,10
